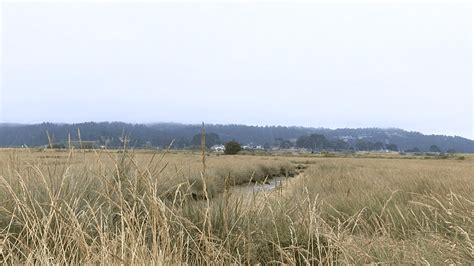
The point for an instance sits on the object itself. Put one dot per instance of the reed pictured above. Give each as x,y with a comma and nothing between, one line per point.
134,208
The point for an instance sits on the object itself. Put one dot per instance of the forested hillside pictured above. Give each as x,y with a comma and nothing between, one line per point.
161,135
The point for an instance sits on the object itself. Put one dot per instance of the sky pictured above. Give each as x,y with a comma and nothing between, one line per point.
297,64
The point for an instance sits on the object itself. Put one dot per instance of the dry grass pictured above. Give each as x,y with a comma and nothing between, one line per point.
135,207
404,211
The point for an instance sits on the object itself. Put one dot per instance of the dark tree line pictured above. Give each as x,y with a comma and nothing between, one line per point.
317,142
211,140
161,135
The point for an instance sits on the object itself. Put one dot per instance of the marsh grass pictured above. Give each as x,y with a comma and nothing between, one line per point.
407,211
136,208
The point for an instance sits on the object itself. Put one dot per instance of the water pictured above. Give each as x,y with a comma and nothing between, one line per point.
271,184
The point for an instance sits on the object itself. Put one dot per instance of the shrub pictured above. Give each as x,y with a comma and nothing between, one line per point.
232,147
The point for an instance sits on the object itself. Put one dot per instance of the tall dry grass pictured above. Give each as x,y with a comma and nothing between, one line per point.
78,207
397,211
127,207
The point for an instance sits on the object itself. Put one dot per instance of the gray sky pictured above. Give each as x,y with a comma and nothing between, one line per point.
321,65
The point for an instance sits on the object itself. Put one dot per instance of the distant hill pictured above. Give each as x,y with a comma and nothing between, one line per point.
161,135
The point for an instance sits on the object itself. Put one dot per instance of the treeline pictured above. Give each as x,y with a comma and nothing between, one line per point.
162,134
158,135
317,142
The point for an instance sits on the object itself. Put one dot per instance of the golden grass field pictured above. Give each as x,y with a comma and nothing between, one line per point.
138,207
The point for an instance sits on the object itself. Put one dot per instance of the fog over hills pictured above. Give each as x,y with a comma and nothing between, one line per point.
162,134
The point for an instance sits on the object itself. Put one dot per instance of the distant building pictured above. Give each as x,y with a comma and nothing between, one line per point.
217,148
252,147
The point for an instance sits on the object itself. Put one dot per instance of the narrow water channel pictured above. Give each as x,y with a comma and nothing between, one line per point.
271,184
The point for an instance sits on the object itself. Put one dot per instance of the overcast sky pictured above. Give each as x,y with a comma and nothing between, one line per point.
321,65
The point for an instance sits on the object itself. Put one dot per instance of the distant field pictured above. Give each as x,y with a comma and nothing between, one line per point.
113,207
